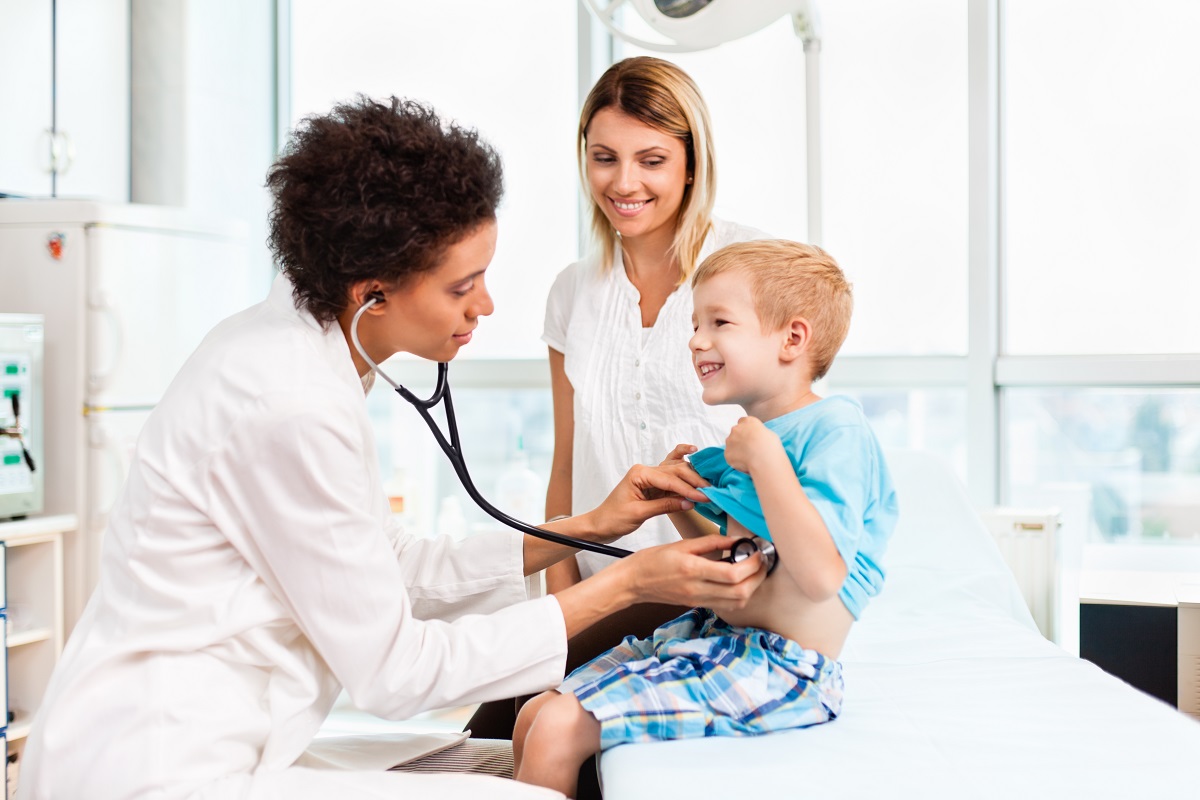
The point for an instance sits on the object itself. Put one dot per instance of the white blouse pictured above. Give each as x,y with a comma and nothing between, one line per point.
252,568
636,392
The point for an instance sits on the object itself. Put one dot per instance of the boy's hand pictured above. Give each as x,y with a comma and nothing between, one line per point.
750,444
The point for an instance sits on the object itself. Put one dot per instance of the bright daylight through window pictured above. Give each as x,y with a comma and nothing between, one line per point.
1092,227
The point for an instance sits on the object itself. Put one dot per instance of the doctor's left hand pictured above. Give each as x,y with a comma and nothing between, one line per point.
643,493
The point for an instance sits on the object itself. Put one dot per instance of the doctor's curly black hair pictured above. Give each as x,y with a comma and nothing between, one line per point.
375,191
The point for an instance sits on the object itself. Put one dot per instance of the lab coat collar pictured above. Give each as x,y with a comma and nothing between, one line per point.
282,300
334,345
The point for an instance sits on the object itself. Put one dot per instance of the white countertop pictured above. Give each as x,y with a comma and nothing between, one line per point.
1133,574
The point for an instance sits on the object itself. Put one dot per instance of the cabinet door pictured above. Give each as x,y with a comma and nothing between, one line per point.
93,98
26,96
152,297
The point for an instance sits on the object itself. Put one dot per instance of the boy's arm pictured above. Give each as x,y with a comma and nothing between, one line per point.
805,547
691,525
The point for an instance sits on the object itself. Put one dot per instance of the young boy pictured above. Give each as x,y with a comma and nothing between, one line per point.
805,473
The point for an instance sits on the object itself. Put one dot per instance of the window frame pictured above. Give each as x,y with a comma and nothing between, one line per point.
985,372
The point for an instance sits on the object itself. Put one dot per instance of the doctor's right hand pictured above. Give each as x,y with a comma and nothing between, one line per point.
680,573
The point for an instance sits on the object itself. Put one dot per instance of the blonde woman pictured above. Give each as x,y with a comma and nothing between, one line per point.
618,322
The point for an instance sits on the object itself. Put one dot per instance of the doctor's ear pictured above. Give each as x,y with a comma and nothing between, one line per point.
366,291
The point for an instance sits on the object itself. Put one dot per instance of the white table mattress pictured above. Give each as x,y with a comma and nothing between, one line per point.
951,692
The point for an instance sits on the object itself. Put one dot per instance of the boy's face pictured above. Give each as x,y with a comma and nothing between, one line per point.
736,360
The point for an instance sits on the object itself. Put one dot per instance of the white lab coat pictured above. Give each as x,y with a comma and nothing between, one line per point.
251,569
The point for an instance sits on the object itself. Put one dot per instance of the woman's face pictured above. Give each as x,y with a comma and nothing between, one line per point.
433,315
636,173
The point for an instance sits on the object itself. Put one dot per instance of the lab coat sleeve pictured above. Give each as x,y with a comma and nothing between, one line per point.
446,578
290,488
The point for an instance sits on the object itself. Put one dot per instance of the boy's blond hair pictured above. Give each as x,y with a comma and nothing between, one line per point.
789,279
663,96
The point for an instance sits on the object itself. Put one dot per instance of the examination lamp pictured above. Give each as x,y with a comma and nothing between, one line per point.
696,24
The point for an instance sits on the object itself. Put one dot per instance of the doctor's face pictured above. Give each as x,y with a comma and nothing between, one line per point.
435,313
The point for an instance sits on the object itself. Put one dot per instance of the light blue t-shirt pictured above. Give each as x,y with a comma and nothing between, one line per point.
840,466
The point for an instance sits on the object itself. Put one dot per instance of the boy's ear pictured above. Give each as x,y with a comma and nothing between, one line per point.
797,334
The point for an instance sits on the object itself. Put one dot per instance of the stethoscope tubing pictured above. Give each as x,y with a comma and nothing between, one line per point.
452,447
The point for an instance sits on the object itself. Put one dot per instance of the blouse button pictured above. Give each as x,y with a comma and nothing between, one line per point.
643,426
637,363
637,396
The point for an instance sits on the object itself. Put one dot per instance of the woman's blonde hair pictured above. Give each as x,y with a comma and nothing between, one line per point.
663,96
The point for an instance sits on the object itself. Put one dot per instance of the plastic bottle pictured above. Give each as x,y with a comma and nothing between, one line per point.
451,521
519,491
396,489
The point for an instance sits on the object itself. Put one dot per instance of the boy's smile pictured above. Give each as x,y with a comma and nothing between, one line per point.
737,361
734,358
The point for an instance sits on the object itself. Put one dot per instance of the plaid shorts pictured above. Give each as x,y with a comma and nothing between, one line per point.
700,676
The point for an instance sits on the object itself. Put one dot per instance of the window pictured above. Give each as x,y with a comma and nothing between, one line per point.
1095,179
507,440
894,152
1132,455
931,420
1099,204
508,71
1102,176
894,112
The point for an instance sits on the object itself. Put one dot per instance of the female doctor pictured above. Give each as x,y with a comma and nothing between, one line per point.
251,568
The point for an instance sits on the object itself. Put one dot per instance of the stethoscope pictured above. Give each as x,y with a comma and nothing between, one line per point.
452,447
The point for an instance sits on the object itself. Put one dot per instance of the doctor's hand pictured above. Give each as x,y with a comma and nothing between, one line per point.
682,573
643,493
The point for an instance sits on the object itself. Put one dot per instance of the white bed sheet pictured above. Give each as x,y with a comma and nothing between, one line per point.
951,692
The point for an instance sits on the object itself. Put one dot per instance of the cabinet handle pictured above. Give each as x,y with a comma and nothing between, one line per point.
61,150
66,154
52,147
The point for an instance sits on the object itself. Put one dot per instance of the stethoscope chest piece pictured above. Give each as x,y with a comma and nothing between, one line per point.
748,546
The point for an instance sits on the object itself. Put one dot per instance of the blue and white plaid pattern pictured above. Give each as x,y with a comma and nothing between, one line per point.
699,676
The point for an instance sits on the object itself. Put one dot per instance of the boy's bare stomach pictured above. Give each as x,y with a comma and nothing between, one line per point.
780,607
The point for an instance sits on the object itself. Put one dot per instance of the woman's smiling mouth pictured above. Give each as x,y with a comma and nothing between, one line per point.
629,208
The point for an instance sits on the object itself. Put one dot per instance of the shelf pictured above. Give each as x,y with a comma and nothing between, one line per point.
14,531
19,727
29,637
